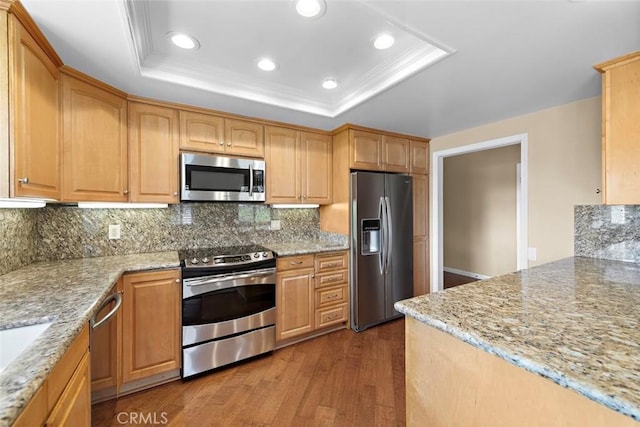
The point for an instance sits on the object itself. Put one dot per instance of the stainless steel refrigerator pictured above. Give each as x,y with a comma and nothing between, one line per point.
381,246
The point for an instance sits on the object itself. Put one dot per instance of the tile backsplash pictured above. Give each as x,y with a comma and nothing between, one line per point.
18,237
607,231
70,232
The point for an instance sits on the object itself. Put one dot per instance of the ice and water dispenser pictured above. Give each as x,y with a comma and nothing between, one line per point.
370,234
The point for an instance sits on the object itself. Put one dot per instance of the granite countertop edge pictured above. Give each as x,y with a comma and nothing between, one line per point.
616,403
305,248
20,380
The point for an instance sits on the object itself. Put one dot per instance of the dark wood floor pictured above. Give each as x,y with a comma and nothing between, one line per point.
451,279
340,379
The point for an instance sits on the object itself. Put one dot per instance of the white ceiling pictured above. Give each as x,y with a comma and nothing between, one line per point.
507,57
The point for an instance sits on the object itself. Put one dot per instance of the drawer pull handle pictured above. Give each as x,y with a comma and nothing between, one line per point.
332,264
295,262
332,279
334,296
332,317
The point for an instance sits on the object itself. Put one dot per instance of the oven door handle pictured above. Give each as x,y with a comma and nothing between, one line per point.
226,278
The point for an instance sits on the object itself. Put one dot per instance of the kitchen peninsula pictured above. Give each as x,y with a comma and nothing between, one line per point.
557,344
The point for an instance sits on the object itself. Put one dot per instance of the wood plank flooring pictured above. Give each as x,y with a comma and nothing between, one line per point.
340,379
451,279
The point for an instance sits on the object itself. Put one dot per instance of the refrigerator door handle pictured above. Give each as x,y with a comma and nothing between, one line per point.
389,237
383,236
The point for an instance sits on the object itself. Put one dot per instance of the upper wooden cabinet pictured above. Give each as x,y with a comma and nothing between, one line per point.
299,166
378,151
621,129
94,140
153,153
215,134
33,147
419,157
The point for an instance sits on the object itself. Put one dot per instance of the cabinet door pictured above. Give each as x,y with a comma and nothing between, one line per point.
105,353
366,150
201,132
294,303
621,133
35,132
74,406
151,324
283,165
94,143
420,234
419,157
244,138
317,159
153,153
395,154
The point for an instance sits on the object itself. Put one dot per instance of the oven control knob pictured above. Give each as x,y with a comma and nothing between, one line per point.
205,260
264,254
256,255
194,261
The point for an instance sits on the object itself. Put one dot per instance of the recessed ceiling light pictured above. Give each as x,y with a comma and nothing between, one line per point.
310,8
330,84
383,41
185,41
266,64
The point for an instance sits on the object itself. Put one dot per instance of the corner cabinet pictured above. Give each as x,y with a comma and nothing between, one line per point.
34,105
94,141
153,153
621,129
151,328
215,134
299,166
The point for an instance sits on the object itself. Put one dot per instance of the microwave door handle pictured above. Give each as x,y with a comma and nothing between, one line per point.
250,180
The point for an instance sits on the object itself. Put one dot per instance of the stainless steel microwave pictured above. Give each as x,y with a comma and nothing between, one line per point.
205,177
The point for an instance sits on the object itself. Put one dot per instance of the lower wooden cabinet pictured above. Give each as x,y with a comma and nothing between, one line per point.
151,324
312,293
140,346
64,399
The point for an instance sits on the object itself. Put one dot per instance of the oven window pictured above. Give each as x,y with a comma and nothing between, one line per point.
217,179
228,304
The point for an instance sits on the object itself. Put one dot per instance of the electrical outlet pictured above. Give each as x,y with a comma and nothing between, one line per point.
533,254
275,224
114,231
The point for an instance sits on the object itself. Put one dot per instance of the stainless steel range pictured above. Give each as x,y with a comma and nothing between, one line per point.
228,306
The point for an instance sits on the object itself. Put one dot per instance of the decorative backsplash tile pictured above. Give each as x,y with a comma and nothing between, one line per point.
69,232
18,236
608,232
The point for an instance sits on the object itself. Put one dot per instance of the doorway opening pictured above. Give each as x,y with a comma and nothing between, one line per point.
437,208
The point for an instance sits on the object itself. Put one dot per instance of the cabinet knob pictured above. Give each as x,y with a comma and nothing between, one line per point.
175,193
228,144
221,142
126,191
177,280
24,180
299,197
597,190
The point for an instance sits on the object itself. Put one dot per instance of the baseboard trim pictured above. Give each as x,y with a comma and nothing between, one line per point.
465,273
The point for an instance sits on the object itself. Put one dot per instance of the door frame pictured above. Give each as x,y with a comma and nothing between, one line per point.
437,208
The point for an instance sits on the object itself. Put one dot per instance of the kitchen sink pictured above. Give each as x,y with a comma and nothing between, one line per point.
14,340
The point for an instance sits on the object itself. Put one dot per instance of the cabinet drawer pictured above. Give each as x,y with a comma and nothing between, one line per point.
331,315
330,262
331,279
329,296
293,262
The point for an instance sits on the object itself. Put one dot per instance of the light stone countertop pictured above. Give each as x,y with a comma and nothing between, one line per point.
575,321
66,293
304,247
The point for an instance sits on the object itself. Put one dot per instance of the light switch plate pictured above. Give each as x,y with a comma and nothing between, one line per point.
533,254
